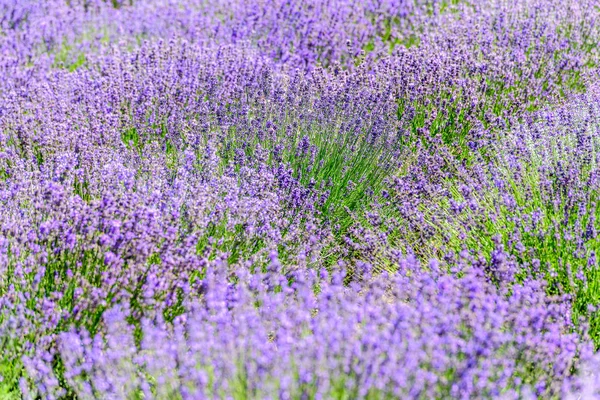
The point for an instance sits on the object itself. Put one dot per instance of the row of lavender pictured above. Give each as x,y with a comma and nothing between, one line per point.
299,199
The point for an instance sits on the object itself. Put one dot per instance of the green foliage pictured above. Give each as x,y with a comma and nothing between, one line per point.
69,58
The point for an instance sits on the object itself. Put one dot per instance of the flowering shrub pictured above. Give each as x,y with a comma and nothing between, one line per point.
305,199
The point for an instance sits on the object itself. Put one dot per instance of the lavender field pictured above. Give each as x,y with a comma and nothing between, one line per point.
299,199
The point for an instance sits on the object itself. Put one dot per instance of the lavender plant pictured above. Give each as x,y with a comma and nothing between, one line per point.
535,203
302,199
263,337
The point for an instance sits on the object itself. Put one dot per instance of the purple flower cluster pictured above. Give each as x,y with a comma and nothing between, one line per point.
256,335
299,199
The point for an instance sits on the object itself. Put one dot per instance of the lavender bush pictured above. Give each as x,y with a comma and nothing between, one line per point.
304,200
